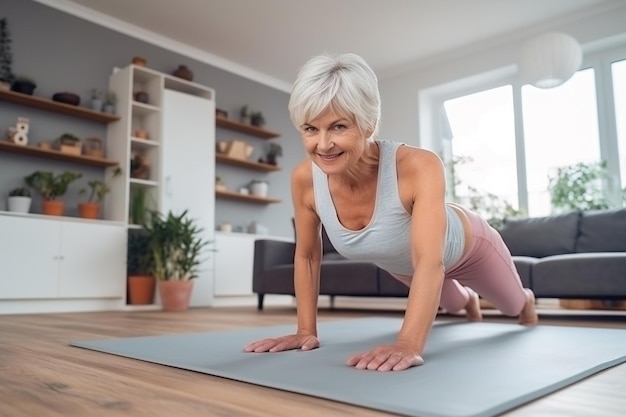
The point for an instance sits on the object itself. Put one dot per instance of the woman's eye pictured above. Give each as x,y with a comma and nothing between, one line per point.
340,127
309,129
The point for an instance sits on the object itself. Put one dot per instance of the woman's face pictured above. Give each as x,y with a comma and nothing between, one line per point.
333,142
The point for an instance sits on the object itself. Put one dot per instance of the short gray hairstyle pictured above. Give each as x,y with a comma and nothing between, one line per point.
344,83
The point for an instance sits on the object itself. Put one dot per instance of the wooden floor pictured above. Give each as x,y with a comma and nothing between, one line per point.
41,376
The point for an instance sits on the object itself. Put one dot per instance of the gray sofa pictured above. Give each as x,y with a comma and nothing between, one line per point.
273,273
580,254
572,255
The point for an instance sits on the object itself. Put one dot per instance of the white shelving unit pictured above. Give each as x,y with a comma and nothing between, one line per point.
179,118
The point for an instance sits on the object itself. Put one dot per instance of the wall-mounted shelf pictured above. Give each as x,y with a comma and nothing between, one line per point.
231,195
258,166
245,128
54,154
55,106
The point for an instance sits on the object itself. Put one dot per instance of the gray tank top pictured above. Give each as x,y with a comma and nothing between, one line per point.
386,240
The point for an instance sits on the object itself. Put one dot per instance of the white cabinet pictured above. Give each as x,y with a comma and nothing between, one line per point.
54,259
188,170
29,255
234,264
234,260
93,261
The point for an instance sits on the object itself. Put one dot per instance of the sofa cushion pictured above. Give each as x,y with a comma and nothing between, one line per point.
541,236
602,231
581,275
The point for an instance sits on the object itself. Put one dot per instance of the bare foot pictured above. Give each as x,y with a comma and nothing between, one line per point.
528,316
472,308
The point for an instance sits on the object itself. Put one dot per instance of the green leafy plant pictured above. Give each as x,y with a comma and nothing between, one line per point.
98,189
493,208
176,245
6,56
49,185
20,192
139,257
274,149
68,139
138,208
110,98
579,187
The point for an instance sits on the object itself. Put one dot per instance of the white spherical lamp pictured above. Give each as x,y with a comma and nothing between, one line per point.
549,60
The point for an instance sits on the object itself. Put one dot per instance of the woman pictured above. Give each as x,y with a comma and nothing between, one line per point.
384,202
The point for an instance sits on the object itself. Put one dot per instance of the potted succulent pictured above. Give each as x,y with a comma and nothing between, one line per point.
19,200
176,246
257,119
97,99
273,151
258,188
6,56
110,100
141,282
51,187
97,190
23,84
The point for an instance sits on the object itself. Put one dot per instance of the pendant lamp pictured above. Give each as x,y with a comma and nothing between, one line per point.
549,60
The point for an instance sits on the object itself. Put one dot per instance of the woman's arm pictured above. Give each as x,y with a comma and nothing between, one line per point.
421,183
306,268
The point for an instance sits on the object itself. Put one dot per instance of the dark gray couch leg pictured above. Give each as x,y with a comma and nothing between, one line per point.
332,302
260,301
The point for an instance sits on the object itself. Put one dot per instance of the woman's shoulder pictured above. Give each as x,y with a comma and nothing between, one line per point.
415,155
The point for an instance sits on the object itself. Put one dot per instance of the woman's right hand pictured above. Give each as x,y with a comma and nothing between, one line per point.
280,344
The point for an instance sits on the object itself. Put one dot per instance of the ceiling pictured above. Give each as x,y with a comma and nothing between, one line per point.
275,37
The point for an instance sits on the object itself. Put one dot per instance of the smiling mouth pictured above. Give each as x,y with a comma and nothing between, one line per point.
330,157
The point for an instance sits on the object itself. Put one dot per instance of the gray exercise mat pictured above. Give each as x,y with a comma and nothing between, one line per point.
471,369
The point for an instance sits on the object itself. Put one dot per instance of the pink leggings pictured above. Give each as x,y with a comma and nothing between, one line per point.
487,268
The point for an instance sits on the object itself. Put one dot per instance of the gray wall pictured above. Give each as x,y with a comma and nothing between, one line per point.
65,53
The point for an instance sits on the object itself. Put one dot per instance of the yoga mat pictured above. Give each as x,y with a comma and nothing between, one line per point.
471,369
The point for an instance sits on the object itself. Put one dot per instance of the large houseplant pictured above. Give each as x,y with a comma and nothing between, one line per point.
139,264
51,186
578,187
176,246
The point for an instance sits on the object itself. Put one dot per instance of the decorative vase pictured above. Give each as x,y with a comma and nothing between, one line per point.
89,210
53,207
183,72
259,188
141,289
67,98
19,204
175,294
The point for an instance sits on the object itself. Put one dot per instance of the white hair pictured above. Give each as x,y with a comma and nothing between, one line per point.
344,83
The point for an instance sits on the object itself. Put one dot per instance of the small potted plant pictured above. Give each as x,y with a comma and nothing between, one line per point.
176,245
273,151
257,119
23,84
69,143
139,264
19,200
51,187
6,56
97,190
96,96
258,188
110,100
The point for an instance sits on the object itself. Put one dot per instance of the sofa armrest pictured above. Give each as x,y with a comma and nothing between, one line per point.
269,253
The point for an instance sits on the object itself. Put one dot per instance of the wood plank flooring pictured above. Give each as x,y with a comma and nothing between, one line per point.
41,375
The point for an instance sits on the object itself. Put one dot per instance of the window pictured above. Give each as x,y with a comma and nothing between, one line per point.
560,129
618,70
483,146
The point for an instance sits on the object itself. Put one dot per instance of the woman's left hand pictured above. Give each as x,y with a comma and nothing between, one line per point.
386,358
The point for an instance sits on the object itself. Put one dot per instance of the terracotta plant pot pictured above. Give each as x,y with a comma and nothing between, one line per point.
141,289
89,210
175,295
53,207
